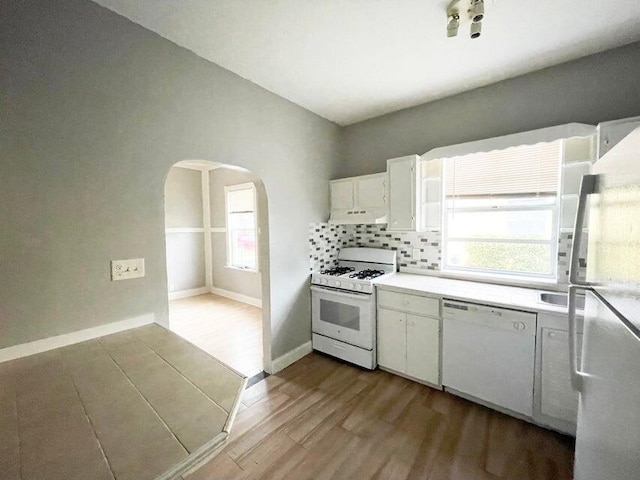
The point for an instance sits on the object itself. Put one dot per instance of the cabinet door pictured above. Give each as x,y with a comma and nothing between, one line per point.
371,191
341,194
392,340
423,348
558,399
402,194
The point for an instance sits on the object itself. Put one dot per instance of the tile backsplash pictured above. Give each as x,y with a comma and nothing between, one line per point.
326,240
564,253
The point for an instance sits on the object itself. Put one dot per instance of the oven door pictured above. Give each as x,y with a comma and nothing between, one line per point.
345,316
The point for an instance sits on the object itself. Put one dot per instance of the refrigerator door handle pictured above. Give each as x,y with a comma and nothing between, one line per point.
587,187
576,374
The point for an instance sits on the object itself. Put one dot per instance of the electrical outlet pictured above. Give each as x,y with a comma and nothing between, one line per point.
415,255
126,269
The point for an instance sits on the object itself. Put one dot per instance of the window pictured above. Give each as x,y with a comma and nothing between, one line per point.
501,211
242,248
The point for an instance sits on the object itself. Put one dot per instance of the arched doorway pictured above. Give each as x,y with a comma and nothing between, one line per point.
216,238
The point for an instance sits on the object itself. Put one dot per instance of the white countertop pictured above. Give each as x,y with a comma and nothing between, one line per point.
484,293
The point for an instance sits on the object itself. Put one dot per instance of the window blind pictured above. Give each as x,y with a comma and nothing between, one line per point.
240,201
526,169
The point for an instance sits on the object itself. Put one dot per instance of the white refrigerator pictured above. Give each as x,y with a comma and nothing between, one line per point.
608,375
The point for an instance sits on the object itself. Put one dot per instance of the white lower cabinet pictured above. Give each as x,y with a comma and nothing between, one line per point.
555,401
557,398
392,339
423,348
409,343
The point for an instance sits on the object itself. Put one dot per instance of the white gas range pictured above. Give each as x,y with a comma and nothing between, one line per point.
343,304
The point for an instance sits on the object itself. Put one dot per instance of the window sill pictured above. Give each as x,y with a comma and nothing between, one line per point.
248,270
531,282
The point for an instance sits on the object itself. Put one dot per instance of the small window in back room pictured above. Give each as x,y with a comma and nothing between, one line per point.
242,243
501,211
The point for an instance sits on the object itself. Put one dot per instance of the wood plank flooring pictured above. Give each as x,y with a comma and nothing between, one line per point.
131,405
323,419
230,331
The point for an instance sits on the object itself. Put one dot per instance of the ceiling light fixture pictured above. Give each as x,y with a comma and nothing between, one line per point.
476,29
453,22
474,13
477,10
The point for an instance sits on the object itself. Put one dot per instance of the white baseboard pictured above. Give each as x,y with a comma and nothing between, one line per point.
293,356
256,302
46,344
188,293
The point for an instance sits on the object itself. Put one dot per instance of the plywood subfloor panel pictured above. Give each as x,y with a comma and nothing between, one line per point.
323,419
131,405
230,331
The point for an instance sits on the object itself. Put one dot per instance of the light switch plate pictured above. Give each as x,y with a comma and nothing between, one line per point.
127,269
415,255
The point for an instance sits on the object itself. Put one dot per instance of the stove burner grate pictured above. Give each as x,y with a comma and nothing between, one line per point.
337,271
367,274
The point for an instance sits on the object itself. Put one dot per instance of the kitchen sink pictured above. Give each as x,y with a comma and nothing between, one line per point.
559,299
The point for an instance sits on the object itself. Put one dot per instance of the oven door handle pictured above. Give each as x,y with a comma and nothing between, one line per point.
338,293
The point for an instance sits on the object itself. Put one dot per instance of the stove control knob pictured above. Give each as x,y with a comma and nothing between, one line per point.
358,287
338,283
325,281
351,286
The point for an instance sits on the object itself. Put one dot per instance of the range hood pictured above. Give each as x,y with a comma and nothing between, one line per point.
351,217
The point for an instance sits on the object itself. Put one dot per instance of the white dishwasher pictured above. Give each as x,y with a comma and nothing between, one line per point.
489,353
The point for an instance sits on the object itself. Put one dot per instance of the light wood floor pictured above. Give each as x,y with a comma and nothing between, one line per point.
127,406
322,419
230,331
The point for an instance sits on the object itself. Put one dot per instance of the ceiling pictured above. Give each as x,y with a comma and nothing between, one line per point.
349,60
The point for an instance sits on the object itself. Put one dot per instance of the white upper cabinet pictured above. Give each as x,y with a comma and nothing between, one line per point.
610,133
371,191
430,214
341,194
359,199
403,193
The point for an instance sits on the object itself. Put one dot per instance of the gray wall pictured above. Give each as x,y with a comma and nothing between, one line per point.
183,198
238,281
185,261
95,110
185,250
589,90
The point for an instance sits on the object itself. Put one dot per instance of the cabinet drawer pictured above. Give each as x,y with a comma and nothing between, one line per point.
347,352
409,303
